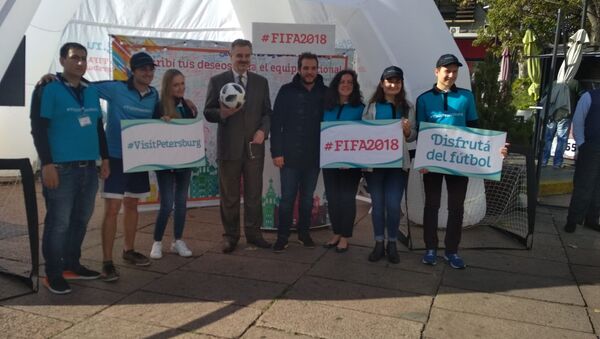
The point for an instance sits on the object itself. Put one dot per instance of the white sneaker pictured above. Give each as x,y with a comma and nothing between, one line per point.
156,252
180,248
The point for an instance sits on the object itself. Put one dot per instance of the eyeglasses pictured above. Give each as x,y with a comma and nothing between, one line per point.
250,154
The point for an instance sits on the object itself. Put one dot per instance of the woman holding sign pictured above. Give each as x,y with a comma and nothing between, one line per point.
173,184
343,101
386,185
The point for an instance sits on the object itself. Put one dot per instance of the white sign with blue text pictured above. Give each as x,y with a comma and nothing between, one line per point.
152,144
464,151
361,144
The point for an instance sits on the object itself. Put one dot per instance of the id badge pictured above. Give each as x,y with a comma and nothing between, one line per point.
84,120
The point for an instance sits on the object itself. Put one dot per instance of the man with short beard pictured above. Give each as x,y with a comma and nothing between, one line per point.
295,132
240,146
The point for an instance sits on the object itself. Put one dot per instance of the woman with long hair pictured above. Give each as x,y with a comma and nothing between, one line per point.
386,185
343,101
173,184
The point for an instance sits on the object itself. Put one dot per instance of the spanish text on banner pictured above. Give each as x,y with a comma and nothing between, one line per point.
152,144
272,38
362,144
464,151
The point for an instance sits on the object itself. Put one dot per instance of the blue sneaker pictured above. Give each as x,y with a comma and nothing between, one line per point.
455,261
430,257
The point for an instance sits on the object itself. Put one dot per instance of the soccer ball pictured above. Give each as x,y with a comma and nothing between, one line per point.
232,95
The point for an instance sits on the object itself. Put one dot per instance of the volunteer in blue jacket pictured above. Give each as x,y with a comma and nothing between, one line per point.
450,105
343,101
386,185
173,185
68,135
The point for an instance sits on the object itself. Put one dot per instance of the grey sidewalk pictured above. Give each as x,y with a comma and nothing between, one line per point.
551,291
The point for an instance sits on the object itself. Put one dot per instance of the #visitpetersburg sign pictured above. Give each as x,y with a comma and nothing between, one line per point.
464,151
153,144
361,144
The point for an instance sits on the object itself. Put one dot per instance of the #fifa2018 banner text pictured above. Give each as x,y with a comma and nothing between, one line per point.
361,144
152,144
464,151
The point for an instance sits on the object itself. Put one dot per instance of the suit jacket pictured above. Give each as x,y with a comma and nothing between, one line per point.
236,131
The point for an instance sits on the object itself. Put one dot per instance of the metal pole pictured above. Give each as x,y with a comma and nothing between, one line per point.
544,119
584,13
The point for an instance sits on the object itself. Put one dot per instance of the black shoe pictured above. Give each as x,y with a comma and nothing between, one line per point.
109,272
135,258
81,273
392,252
329,245
57,285
280,245
378,252
570,227
259,242
228,246
305,240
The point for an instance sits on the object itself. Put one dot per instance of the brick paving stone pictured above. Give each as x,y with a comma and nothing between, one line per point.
326,321
451,324
193,315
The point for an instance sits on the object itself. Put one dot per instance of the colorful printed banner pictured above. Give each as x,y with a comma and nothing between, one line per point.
469,152
153,144
362,144
275,38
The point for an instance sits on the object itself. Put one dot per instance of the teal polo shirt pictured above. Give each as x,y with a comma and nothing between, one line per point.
73,127
455,107
344,112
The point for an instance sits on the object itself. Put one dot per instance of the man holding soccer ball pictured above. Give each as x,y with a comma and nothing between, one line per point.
240,146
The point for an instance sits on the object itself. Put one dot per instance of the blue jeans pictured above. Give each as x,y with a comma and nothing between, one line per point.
173,188
561,128
69,208
386,186
296,181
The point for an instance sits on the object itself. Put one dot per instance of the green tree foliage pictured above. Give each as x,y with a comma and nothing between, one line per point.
507,21
495,108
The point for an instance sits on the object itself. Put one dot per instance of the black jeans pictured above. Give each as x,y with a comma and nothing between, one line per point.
340,190
296,183
585,200
457,190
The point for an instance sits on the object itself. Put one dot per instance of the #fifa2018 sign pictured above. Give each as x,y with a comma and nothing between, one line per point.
361,144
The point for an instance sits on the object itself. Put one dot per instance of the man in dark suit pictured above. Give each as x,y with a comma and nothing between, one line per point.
240,146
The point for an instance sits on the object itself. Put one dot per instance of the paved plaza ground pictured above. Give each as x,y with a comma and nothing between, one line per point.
551,291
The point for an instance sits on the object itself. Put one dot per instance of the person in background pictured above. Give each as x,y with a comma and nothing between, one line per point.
173,184
240,146
343,102
386,185
295,131
66,124
585,200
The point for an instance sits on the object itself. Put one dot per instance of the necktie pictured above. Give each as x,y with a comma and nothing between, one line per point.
241,81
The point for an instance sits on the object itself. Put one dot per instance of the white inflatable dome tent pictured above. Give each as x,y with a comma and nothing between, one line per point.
407,33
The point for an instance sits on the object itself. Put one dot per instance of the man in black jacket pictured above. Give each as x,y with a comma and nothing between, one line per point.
295,131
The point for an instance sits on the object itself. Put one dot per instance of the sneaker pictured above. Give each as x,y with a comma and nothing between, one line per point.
305,240
455,261
280,245
179,247
109,272
156,251
57,285
82,273
135,258
430,257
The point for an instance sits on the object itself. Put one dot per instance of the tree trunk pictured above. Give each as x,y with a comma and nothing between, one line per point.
593,14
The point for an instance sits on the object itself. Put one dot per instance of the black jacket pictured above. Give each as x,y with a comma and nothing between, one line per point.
295,124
